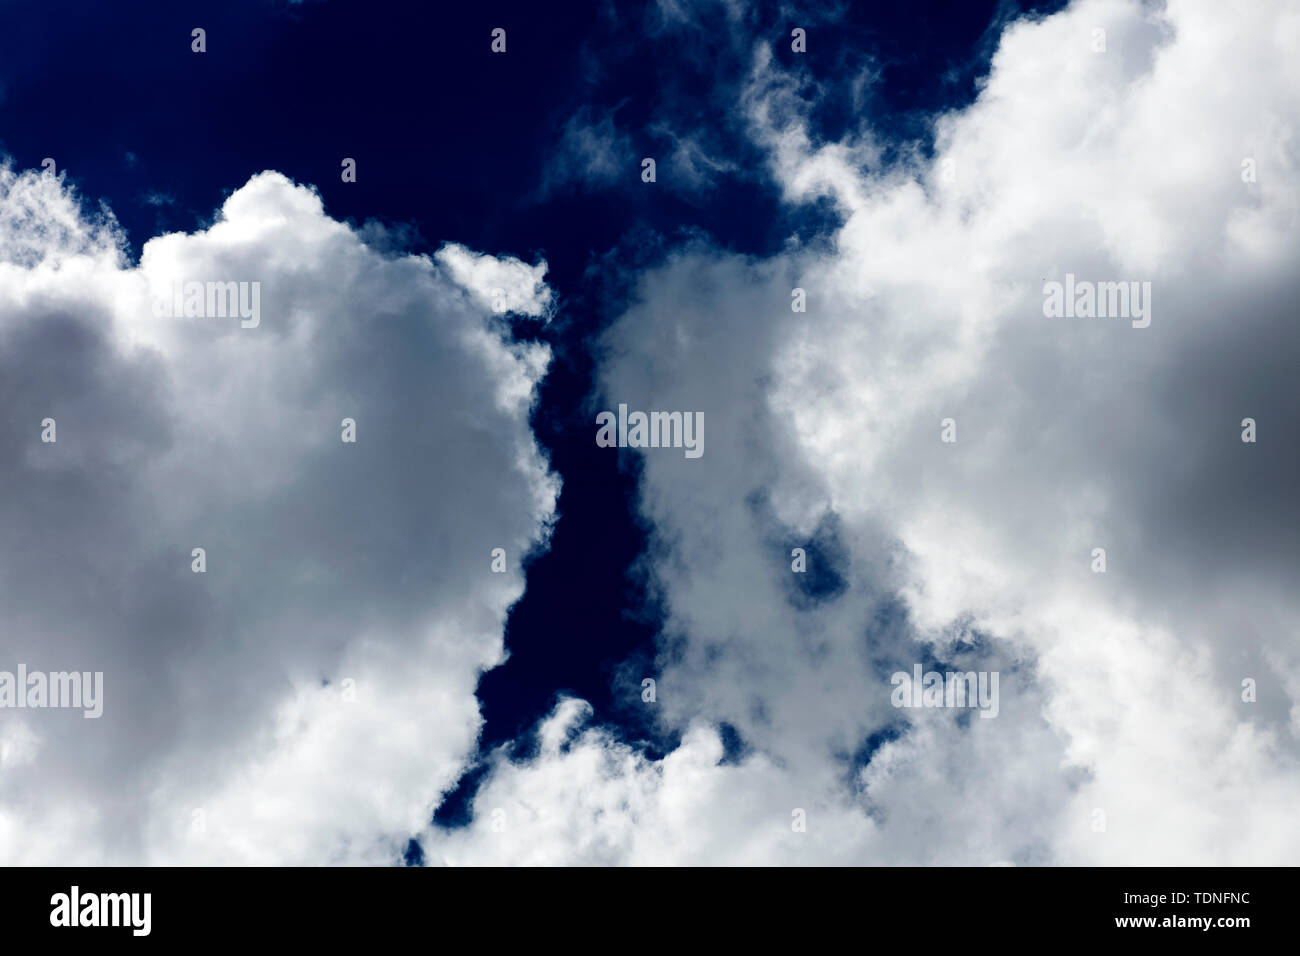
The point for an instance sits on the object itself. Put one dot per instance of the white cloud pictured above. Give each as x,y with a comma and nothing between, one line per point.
326,562
1120,692
498,284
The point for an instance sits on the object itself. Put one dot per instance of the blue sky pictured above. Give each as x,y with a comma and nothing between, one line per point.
775,169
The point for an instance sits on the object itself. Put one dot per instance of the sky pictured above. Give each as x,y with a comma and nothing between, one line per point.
434,620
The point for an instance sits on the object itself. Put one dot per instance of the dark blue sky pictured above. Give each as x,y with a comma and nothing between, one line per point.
454,143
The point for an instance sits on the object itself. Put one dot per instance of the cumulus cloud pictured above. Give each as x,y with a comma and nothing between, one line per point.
309,697
502,284
1123,736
